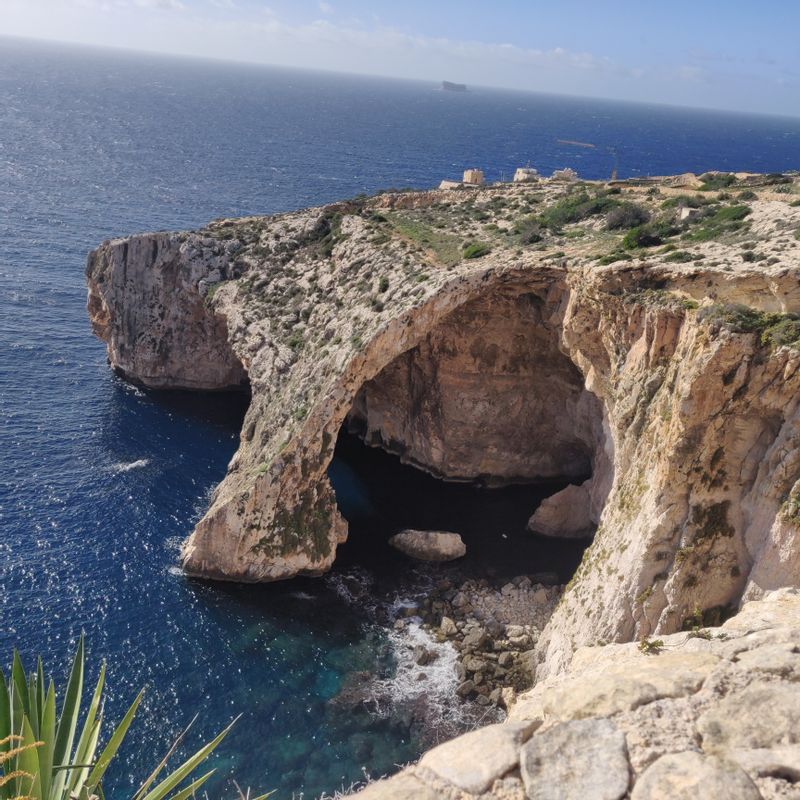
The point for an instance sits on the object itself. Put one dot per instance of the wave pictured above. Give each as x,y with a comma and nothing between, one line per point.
127,467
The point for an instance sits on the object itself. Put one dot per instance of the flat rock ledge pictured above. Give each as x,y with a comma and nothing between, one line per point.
429,545
712,713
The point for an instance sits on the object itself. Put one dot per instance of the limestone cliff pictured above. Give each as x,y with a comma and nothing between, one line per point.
660,363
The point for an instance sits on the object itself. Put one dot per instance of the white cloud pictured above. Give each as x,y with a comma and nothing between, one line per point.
164,5
256,33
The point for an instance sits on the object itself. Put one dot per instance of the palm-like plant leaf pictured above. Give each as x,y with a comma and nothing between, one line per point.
174,778
38,760
68,721
96,775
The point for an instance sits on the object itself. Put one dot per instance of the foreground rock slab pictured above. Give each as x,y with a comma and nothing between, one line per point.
628,684
580,760
692,776
473,762
429,545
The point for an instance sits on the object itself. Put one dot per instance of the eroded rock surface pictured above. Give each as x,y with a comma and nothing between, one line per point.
559,353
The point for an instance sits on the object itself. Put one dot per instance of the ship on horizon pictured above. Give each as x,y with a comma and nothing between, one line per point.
449,86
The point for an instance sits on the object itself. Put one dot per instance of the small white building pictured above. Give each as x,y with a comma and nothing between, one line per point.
525,174
473,177
566,174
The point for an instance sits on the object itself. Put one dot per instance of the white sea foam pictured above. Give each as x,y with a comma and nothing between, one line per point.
354,587
433,685
302,596
127,467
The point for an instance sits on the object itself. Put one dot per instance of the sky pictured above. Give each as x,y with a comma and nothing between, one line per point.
726,54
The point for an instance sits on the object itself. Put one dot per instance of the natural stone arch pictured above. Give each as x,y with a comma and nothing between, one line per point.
284,521
684,524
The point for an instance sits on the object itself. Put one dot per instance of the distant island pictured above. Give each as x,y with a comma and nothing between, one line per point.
447,86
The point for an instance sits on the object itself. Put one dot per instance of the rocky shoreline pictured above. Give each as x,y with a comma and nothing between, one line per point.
493,630
708,714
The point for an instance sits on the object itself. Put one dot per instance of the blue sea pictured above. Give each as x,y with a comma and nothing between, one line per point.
99,481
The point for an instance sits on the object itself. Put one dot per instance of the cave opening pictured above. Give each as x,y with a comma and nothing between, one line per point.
469,431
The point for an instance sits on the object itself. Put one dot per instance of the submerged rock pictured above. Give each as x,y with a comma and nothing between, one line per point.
429,545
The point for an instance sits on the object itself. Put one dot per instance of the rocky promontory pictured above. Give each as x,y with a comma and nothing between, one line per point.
639,341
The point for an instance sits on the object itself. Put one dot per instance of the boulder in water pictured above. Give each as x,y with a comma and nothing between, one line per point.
429,545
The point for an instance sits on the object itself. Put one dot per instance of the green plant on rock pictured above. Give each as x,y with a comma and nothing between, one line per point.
774,329
725,219
576,208
650,234
714,181
49,756
651,647
476,250
627,215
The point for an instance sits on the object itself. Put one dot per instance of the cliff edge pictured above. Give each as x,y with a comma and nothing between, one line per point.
637,334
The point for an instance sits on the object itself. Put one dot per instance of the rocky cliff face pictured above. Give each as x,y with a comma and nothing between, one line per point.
664,368
146,301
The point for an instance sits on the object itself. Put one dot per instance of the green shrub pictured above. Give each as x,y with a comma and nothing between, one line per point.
576,208
774,329
735,317
714,181
383,284
725,219
651,647
732,214
747,194
476,250
610,258
679,257
627,215
529,230
650,234
685,201
785,332
40,758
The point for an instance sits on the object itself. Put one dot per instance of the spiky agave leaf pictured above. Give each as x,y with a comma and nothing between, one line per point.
173,779
37,758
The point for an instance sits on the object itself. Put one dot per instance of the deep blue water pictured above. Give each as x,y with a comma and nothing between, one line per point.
100,482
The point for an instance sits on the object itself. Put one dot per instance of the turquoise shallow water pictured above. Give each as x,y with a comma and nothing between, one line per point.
99,482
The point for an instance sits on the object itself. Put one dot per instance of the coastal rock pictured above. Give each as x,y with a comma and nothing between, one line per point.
566,514
429,545
581,760
627,684
474,761
746,719
400,787
672,383
689,776
761,715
